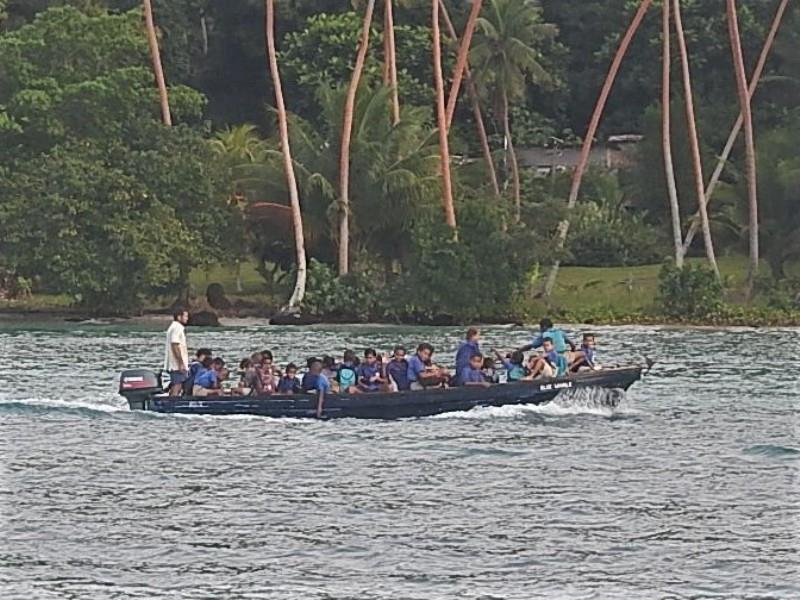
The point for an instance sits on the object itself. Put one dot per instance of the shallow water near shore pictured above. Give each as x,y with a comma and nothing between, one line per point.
689,489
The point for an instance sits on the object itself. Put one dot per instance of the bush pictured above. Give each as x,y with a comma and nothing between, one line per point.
352,297
692,292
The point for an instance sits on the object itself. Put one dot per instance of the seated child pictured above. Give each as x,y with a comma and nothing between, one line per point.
583,359
370,373
515,366
489,371
314,380
397,369
472,374
290,383
347,374
201,362
422,373
550,364
208,382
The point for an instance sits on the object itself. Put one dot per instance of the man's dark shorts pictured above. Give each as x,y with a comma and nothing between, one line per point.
177,378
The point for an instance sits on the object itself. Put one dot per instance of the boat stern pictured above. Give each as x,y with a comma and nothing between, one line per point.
137,386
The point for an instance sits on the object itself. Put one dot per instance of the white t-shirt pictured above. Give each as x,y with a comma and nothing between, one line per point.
176,335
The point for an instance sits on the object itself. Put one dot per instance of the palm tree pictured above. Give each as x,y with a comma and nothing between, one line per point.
283,127
737,127
583,160
505,56
155,56
666,139
347,131
474,101
390,59
694,143
461,59
441,118
750,152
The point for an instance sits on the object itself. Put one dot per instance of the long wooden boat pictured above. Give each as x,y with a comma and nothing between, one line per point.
143,391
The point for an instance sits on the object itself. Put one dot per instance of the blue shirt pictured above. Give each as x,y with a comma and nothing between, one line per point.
366,373
515,372
465,351
415,368
207,379
557,361
398,371
347,375
289,385
588,355
316,383
470,375
560,340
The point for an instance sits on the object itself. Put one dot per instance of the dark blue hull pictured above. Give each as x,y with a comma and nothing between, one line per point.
396,405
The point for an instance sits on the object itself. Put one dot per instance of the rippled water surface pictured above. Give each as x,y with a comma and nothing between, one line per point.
689,490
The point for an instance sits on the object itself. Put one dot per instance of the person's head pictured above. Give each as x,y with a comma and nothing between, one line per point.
266,358
206,362
399,353
517,357
245,364
589,340
349,357
545,324
425,351
224,374
314,366
202,353
256,358
370,356
547,344
488,363
217,364
181,315
473,334
476,361
328,362
291,370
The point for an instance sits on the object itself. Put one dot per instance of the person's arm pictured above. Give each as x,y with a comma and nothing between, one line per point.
536,343
176,353
572,345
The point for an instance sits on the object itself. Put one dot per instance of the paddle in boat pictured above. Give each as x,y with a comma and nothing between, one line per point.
143,390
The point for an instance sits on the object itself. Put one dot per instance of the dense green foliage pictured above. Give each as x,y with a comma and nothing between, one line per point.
691,293
100,201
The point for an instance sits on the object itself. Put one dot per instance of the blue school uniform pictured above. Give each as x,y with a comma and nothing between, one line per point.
207,379
470,375
398,371
557,361
560,340
415,368
588,355
316,383
289,385
366,373
465,351
515,372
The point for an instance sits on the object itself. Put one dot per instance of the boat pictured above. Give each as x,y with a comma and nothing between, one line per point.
143,391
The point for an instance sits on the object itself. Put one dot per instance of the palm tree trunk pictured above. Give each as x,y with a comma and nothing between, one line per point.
512,155
750,151
441,117
347,132
158,70
583,160
294,197
461,59
666,140
737,127
694,142
390,60
474,101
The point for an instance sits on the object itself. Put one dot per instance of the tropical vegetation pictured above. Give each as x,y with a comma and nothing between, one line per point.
372,160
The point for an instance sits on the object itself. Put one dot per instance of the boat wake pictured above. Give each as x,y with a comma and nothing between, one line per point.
597,401
38,406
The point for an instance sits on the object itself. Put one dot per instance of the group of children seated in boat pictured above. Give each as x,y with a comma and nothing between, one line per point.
259,375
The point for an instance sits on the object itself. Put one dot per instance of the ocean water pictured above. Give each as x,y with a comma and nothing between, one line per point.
689,489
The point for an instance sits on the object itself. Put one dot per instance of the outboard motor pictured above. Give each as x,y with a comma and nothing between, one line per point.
138,386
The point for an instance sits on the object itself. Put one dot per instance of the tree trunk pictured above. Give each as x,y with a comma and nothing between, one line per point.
749,144
737,127
347,132
694,142
461,59
390,60
476,111
666,140
283,126
512,155
441,117
583,160
158,70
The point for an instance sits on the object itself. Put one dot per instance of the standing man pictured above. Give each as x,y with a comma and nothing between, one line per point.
176,358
